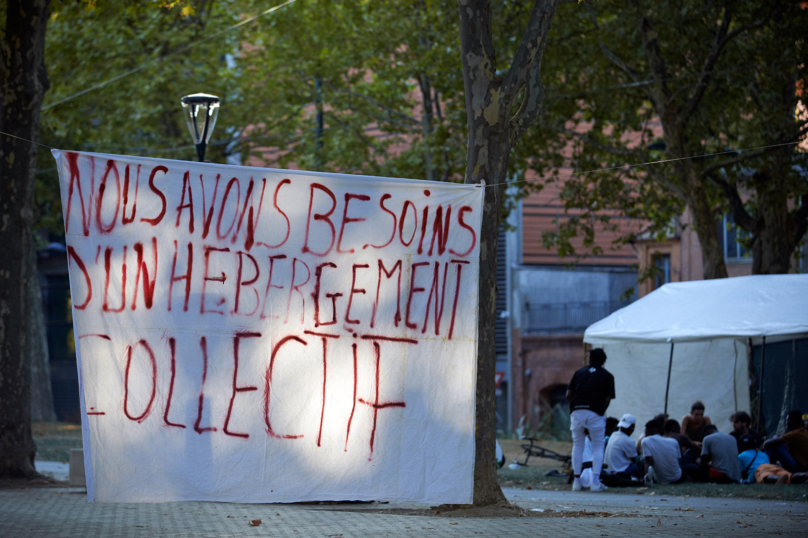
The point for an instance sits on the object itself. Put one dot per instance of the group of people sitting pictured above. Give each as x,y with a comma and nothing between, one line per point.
604,455
695,451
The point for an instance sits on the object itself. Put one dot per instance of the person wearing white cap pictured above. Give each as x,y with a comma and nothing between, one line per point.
621,450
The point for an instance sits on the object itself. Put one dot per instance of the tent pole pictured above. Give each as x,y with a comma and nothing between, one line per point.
668,386
760,385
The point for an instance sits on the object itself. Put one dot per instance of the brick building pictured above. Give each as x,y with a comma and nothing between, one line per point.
550,301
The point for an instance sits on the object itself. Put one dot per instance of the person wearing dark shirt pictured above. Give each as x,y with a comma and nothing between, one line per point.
672,430
660,419
749,459
740,427
694,424
590,392
611,426
690,452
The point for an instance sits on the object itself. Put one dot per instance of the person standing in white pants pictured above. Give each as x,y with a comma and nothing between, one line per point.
589,393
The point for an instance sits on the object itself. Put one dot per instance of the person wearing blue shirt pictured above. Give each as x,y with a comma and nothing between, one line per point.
750,458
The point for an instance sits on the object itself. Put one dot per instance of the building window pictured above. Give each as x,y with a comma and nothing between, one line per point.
730,238
662,276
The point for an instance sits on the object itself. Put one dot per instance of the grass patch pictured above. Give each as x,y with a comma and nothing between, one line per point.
534,477
54,440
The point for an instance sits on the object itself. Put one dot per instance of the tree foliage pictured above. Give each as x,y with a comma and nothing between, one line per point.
635,82
386,77
359,87
89,43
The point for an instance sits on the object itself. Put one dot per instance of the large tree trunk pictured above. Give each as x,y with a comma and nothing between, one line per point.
494,148
777,233
704,223
487,160
491,134
693,188
486,485
23,83
41,393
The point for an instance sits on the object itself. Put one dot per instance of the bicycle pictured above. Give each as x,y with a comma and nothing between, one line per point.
541,452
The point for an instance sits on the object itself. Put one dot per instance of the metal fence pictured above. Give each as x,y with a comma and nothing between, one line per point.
545,318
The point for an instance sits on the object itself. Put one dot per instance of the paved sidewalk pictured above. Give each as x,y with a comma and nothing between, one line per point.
66,513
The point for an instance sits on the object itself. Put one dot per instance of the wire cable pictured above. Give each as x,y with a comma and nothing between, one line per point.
662,161
574,173
26,140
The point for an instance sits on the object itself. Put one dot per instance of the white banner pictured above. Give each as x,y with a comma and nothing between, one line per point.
257,335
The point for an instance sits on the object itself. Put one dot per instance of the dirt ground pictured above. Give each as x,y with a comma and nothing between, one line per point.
34,483
501,510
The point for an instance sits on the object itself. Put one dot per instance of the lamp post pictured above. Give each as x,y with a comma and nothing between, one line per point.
200,111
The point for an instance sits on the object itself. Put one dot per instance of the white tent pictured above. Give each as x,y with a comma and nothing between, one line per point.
689,341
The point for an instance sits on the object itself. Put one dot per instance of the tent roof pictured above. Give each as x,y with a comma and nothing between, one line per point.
749,306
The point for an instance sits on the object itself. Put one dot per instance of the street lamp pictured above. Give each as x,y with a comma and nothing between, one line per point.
200,111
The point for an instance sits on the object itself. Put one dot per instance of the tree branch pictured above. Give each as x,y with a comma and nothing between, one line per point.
530,48
741,217
4,55
387,119
721,39
617,61
444,177
613,150
666,183
368,140
620,151
750,154
376,103
533,99
733,160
